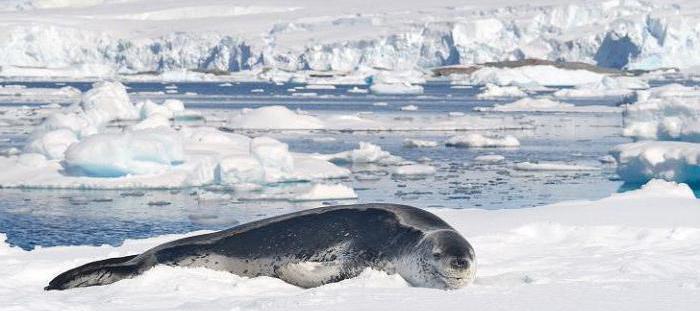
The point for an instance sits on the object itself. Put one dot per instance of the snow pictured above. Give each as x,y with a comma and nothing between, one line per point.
552,166
419,143
545,105
623,252
495,91
670,112
414,170
674,161
481,141
320,192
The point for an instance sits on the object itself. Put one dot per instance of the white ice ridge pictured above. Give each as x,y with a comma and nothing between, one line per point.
81,147
546,105
670,160
105,37
281,118
669,112
641,245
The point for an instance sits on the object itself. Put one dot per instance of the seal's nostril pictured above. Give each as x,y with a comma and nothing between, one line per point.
460,263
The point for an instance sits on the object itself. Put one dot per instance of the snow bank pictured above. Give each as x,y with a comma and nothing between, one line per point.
77,147
552,166
545,105
644,245
674,161
495,91
480,141
670,112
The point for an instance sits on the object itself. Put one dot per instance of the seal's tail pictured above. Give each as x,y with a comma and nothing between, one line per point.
100,272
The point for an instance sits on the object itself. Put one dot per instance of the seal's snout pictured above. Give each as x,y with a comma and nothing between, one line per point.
460,263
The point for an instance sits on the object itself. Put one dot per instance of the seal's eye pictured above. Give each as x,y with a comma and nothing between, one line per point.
437,255
459,263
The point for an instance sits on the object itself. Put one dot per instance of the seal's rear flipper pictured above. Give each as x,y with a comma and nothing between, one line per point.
95,273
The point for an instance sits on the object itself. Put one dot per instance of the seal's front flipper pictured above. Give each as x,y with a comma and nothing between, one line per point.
311,273
96,273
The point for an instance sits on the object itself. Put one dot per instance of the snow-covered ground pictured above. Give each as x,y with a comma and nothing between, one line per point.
631,251
183,38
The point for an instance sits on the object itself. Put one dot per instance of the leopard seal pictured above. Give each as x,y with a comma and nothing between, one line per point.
310,248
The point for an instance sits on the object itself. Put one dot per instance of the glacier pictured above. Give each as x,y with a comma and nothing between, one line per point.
122,38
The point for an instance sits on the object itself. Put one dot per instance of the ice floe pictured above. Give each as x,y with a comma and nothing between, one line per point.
674,161
552,166
670,112
495,91
81,147
546,105
481,141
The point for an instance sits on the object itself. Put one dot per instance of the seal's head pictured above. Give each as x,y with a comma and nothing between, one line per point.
442,259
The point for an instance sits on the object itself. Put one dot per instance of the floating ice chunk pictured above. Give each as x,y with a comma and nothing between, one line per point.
240,170
153,121
320,87
541,75
414,170
274,117
673,161
357,90
552,166
606,87
108,101
490,158
52,144
149,108
419,143
371,153
74,122
409,108
366,153
274,157
396,89
545,105
319,192
113,155
656,116
480,141
494,91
